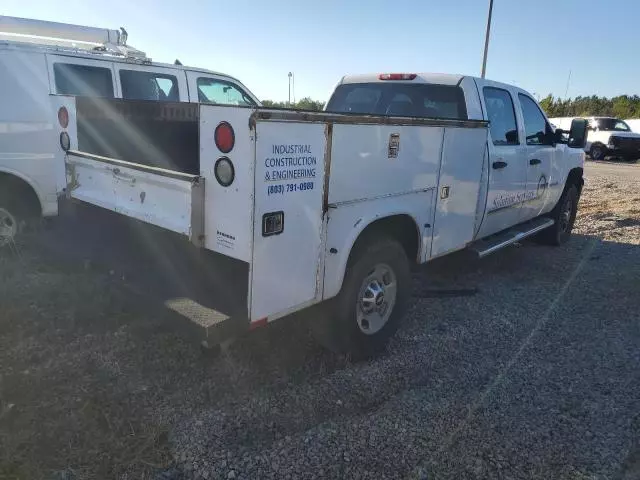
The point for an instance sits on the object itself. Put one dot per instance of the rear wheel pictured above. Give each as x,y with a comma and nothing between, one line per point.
374,297
564,215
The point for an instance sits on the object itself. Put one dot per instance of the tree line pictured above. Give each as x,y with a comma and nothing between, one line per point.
305,103
622,106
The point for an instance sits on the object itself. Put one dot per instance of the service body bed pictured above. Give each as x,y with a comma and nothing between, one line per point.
329,176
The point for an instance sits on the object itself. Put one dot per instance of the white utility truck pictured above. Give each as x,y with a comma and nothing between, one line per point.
607,137
38,58
330,209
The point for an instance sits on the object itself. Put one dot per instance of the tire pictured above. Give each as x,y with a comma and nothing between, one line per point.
13,219
564,215
597,152
351,323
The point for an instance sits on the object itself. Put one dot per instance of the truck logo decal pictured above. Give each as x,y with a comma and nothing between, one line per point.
542,186
394,145
511,200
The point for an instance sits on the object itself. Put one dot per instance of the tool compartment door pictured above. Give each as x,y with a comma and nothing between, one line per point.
289,181
463,154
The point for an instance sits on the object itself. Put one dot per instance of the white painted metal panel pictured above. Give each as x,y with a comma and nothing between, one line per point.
289,177
460,174
229,210
363,167
27,136
147,196
347,221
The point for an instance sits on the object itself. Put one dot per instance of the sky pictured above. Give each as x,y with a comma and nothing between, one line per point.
534,44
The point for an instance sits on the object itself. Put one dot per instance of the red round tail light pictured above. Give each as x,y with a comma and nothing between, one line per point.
224,137
63,117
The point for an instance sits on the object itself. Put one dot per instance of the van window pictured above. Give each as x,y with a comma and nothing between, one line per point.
156,87
400,99
83,80
502,116
212,90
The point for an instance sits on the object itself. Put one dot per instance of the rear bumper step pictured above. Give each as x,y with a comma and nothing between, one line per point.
505,238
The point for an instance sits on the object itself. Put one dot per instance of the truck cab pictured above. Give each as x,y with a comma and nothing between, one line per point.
526,164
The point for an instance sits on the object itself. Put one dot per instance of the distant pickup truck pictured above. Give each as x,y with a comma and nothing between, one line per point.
607,137
327,211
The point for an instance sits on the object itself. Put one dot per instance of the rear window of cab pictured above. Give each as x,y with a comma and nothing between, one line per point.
396,99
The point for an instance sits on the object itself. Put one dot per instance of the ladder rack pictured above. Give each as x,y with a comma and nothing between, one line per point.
41,32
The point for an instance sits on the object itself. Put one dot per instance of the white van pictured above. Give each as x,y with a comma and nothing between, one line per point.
39,58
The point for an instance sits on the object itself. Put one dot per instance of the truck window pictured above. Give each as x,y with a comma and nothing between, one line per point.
153,86
501,115
400,99
211,90
535,125
84,80
609,124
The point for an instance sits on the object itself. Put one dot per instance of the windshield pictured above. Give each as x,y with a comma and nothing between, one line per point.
609,124
400,100
211,90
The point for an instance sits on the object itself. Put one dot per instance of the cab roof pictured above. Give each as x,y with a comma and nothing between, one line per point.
438,78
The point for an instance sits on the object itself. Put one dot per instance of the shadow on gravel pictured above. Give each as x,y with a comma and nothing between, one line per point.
100,381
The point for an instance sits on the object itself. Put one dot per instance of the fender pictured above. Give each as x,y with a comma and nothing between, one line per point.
34,186
347,222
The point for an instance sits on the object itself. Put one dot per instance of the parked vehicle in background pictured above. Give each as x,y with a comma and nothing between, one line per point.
38,58
608,137
330,209
634,124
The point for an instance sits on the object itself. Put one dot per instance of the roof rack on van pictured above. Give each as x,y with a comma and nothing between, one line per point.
41,32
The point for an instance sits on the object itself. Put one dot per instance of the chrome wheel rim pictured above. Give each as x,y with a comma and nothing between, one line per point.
565,215
8,227
376,299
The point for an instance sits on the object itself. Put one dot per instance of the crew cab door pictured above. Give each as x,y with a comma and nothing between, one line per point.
507,166
540,155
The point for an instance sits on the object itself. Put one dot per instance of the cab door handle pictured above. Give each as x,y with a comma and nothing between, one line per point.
498,165
535,161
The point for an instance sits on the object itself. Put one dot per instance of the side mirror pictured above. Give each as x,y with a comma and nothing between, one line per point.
558,136
578,133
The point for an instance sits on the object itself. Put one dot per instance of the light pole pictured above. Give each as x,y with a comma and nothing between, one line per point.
290,75
486,39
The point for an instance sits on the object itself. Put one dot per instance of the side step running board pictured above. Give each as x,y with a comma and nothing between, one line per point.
500,240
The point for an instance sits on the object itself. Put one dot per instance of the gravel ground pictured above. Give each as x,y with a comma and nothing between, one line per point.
531,371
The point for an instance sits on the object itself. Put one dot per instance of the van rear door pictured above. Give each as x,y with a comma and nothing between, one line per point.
70,75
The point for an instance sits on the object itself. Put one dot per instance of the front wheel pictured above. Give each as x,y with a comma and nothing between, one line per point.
564,215
12,219
374,298
597,152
